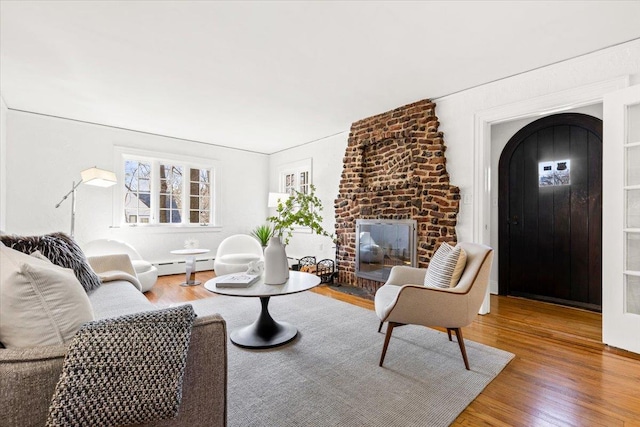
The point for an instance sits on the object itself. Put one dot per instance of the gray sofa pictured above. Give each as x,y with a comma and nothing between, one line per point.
29,376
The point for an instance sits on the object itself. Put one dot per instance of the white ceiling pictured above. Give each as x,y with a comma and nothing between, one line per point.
266,76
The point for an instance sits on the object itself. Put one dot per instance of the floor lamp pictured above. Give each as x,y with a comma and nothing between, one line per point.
91,176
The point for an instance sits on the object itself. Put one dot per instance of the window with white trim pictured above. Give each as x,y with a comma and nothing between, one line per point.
166,191
295,176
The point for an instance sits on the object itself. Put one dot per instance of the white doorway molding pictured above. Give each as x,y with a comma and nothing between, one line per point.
538,106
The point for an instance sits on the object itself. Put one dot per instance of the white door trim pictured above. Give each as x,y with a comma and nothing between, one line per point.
538,106
620,324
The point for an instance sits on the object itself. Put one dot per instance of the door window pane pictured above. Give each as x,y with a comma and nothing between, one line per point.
633,123
633,208
633,252
633,294
633,165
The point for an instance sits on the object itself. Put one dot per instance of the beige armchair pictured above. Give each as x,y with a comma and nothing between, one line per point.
403,299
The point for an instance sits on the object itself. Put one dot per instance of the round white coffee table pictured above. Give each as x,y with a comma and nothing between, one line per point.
190,255
266,332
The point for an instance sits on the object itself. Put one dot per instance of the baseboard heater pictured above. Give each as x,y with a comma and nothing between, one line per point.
166,268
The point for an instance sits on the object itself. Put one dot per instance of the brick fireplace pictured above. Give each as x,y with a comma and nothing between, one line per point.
395,168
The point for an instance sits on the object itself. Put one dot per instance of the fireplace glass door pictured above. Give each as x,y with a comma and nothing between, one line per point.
381,244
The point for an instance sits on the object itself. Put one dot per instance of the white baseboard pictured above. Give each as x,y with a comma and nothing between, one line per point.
166,268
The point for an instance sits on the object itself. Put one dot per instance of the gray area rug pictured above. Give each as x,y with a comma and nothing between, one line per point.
329,375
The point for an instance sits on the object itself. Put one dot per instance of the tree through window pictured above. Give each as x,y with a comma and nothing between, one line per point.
167,192
137,199
170,193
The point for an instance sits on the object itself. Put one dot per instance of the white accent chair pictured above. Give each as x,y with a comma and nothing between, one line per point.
147,273
235,253
405,300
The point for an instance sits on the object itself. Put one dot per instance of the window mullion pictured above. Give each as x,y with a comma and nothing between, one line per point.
212,179
186,195
155,191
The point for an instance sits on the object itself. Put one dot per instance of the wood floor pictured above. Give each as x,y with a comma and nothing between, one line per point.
561,376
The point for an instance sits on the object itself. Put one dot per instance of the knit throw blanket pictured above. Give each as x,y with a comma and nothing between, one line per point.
124,370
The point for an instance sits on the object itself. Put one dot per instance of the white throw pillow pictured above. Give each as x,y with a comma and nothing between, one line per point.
446,267
40,302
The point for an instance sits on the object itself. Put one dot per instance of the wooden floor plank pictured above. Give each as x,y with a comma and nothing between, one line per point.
562,374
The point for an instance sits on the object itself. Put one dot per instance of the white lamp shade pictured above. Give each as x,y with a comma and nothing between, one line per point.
98,177
275,198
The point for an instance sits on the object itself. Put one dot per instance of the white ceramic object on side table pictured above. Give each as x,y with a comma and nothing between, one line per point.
276,266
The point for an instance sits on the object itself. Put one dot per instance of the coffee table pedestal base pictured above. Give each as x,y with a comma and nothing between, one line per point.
264,332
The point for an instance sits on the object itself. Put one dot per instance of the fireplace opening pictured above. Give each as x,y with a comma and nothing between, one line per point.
382,244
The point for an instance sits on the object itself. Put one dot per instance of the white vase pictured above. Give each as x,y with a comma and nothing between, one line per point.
276,266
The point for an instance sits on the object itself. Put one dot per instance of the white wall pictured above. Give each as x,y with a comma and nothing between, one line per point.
3,164
326,155
501,134
46,154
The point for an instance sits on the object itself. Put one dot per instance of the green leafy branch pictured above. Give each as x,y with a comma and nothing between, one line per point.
301,209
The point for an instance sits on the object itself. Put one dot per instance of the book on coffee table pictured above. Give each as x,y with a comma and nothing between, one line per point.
237,280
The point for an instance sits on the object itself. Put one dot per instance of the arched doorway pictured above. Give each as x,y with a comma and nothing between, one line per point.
550,211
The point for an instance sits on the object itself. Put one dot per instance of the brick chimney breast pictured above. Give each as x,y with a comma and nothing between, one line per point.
395,168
